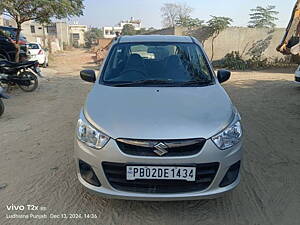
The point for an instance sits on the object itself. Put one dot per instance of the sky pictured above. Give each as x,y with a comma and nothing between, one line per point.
99,13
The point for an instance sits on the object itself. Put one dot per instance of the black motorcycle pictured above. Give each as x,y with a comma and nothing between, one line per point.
2,95
22,74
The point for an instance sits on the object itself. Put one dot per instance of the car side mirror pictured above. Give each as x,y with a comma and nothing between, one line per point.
88,75
223,75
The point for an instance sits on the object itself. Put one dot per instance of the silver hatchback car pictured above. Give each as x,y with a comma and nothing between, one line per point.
157,124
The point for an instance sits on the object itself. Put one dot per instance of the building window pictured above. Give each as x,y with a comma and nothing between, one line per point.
32,28
75,36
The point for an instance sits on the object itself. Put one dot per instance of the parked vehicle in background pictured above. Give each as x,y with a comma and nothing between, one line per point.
2,95
8,49
297,75
22,74
290,44
11,32
157,125
37,53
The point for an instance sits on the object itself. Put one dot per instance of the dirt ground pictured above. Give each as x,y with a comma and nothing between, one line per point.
36,157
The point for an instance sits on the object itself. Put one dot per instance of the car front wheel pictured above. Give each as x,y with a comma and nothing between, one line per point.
1,107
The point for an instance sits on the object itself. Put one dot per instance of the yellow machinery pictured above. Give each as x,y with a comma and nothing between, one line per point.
290,44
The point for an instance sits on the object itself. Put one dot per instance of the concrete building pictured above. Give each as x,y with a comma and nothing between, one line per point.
58,34
7,22
1,20
137,24
110,32
76,33
59,30
34,32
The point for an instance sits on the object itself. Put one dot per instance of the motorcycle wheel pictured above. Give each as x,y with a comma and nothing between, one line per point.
1,107
33,81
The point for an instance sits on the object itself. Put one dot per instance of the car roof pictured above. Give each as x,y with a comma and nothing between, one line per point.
155,38
8,28
12,29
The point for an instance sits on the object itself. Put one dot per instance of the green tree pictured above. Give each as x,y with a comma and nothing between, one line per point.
215,26
128,29
141,31
39,10
263,17
189,22
92,35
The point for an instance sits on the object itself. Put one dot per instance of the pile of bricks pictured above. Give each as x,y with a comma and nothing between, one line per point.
101,49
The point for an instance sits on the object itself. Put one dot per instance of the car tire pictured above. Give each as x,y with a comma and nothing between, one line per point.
1,107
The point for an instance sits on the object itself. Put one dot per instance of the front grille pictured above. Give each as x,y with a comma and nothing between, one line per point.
116,175
297,79
174,147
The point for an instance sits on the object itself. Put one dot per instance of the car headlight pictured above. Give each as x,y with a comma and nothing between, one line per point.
228,137
91,136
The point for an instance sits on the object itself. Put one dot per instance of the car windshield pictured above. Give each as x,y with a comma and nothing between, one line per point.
162,64
33,46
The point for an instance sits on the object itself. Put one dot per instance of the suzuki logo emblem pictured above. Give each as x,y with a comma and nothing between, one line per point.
160,149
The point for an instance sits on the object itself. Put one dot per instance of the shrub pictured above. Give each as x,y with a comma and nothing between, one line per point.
232,61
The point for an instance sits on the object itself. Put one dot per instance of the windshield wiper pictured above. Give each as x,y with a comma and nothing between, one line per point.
145,82
196,82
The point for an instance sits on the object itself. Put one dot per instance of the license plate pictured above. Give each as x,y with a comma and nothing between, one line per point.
161,173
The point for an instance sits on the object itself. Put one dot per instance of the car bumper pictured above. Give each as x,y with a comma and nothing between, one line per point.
40,58
297,79
111,153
